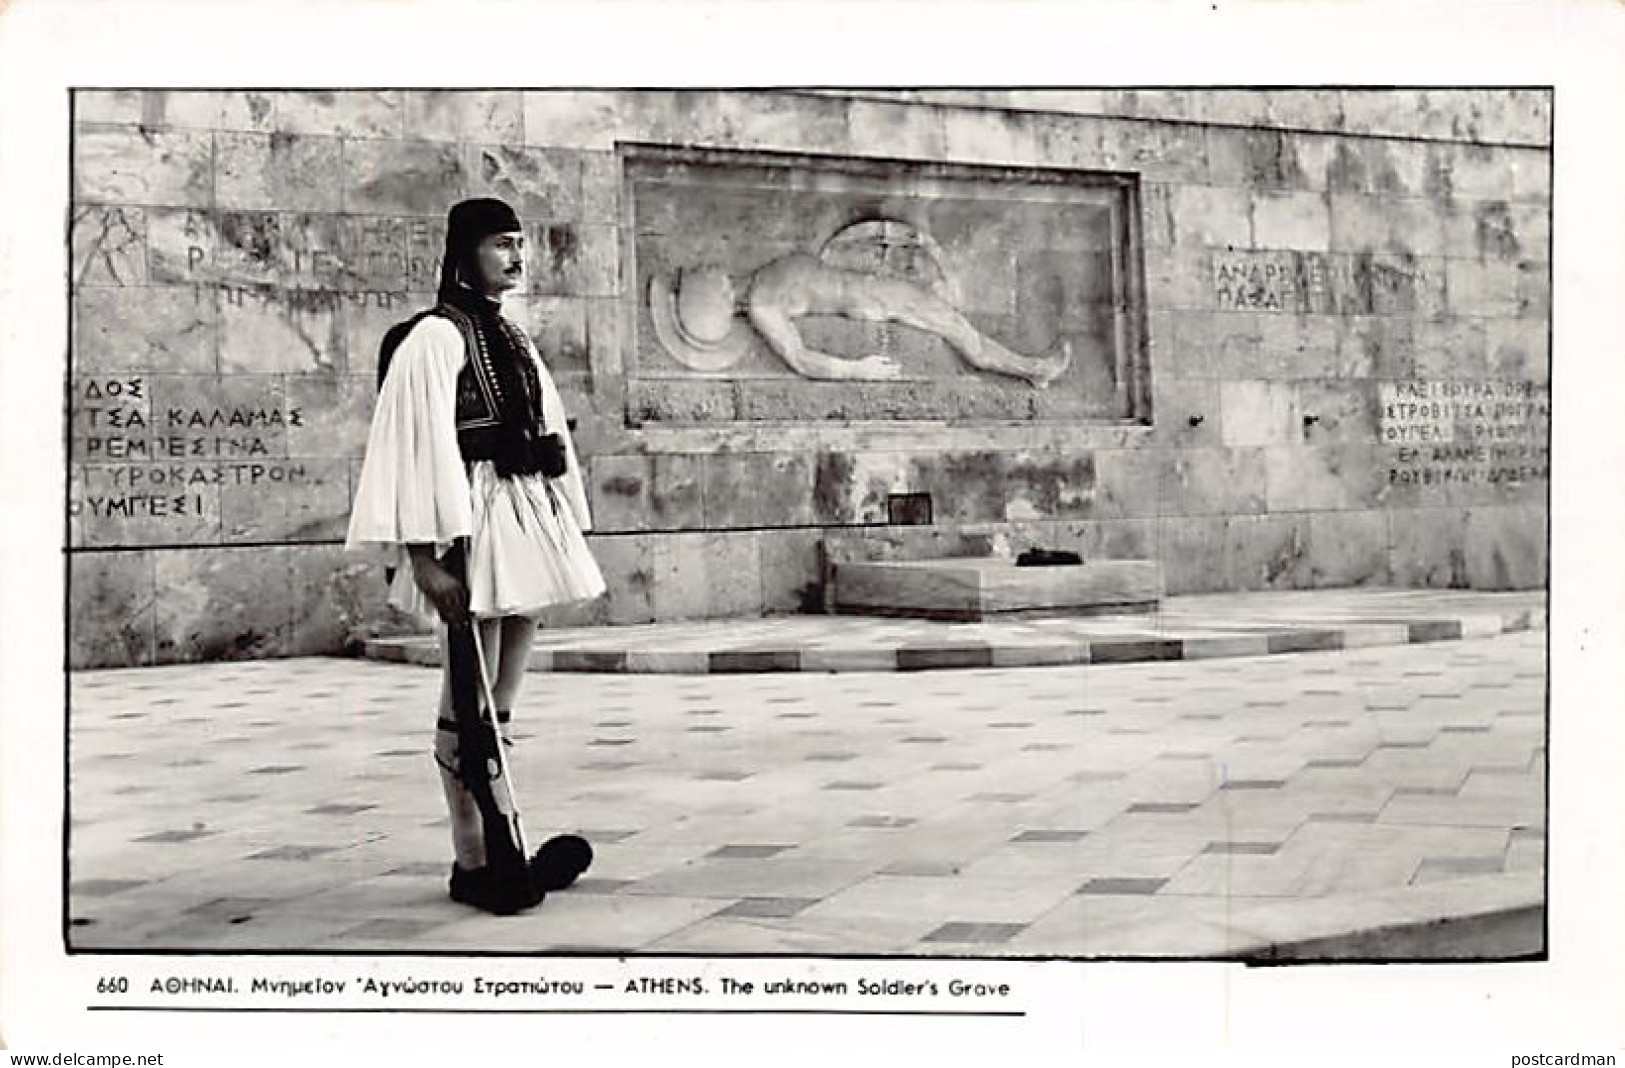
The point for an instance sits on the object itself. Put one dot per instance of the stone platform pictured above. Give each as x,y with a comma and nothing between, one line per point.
974,589
1187,627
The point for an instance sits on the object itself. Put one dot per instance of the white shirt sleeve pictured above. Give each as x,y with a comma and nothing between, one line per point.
413,487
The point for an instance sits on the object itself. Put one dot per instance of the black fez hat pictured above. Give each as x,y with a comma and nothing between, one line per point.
467,224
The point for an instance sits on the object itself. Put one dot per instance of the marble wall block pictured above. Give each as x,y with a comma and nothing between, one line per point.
1518,349
346,113
1376,346
1327,477
1498,229
745,490
249,111
1195,554
1429,547
334,414
150,328
1386,224
109,246
791,582
705,574
278,171
1288,220
583,119
569,258
1179,278
188,109
1390,112
364,323
111,600
967,487
733,562
338,598
801,401
402,177
851,488
224,603
1159,151
605,358
1270,552
1348,549
1157,214
1531,171
647,492
1396,284
1336,412
1462,170
280,330
123,166
1272,347
1128,482
558,327
1371,166
896,129
464,115
628,564
1454,348
1305,109
309,502
671,401
119,505
542,185
600,188
1506,548
1048,485
1126,539
677,492
978,136
1527,115
619,490
423,238
1535,292
600,261
1213,482
1212,217
1488,289
112,106
1188,412
1275,159
777,122
183,246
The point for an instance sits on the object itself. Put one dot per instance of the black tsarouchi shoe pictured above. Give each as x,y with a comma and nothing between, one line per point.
560,861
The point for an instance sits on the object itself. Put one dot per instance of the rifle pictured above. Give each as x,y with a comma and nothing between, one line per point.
483,767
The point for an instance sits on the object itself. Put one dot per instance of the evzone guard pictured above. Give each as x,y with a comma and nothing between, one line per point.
472,486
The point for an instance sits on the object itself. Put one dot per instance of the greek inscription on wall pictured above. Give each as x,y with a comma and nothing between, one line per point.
154,461
1466,432
1319,283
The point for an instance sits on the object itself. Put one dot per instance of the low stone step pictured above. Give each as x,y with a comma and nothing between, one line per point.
975,589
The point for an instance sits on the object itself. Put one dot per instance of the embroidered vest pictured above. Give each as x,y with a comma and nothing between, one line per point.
479,392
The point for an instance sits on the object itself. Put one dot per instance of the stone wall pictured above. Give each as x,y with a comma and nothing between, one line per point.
1345,306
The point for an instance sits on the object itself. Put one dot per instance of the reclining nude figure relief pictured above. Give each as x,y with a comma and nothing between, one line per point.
799,284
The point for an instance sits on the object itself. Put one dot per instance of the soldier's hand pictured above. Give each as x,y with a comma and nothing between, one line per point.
445,591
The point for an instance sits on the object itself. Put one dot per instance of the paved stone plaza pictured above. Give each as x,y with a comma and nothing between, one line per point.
1162,808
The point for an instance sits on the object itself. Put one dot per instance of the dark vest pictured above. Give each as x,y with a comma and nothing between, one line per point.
479,391
480,401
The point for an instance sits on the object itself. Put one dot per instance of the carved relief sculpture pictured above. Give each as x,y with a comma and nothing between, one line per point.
696,315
